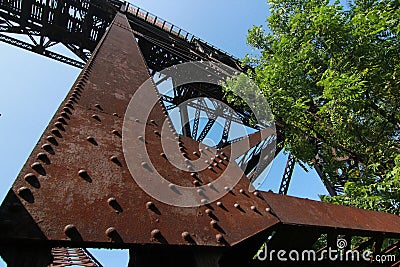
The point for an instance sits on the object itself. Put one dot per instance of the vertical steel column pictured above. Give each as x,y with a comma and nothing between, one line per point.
34,210
287,175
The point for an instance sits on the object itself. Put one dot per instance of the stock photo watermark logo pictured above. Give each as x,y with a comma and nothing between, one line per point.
340,254
141,109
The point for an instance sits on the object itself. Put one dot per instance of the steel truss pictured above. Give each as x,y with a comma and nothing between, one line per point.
87,197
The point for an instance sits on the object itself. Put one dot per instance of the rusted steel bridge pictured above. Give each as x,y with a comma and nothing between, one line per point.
75,190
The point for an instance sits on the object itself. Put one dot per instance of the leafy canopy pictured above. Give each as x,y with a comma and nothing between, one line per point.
332,78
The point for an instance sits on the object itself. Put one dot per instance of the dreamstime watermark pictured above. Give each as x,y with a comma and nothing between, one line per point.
139,112
329,254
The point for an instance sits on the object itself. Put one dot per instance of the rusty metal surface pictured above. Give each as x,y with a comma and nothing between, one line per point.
304,212
76,185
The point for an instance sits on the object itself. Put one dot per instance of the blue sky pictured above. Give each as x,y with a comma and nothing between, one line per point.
32,87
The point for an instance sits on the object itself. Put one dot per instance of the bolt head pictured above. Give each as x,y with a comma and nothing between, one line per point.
110,232
150,205
69,230
186,236
155,233
219,238
82,173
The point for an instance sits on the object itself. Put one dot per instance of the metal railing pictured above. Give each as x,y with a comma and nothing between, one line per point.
169,27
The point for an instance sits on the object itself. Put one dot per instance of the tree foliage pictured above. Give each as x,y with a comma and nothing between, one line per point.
331,75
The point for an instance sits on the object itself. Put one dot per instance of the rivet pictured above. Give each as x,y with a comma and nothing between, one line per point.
219,204
155,233
92,140
137,120
145,165
67,110
199,191
70,102
52,140
150,205
204,201
186,236
110,232
227,188
215,164
157,133
201,150
220,161
60,126
70,230
96,117
38,168
115,132
163,155
193,174
43,157
29,176
23,190
111,200
172,186
223,153
83,173
48,148
219,238
212,159
210,168
62,120
141,138
206,162
65,115
214,224
256,194
241,191
115,114
196,183
56,132
115,160
268,209
98,106
253,208
69,106
181,148
236,205
225,158
153,121
195,153
209,212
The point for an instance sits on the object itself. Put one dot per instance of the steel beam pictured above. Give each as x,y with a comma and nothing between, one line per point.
287,175
46,53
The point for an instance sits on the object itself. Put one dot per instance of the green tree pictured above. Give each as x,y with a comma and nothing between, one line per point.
331,75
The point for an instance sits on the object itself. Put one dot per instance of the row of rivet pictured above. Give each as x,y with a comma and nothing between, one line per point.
60,124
